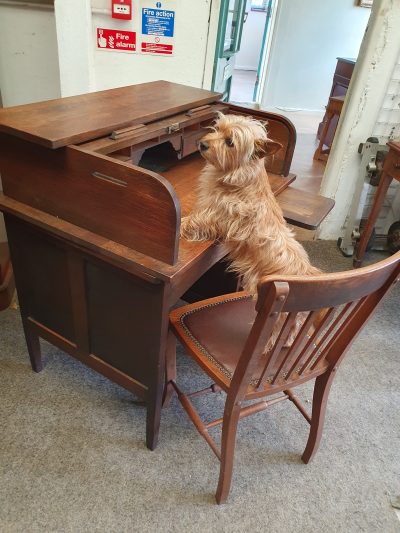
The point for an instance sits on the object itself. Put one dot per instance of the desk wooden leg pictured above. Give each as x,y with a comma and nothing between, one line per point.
383,187
33,345
170,369
153,418
156,387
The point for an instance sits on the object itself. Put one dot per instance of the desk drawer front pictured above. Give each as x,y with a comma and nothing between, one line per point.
190,141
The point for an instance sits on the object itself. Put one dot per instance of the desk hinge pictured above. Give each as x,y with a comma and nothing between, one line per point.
172,128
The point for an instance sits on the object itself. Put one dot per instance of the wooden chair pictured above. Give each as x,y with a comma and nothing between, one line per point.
226,337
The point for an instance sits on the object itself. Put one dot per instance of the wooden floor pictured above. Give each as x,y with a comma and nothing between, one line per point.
309,172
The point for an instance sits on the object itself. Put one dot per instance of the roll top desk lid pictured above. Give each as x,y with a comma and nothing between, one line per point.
77,119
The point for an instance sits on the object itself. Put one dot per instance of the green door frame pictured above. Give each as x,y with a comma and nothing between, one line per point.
263,45
220,52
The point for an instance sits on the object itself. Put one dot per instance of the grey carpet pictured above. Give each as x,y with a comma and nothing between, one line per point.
72,453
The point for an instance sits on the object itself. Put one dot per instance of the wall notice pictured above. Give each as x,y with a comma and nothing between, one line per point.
158,22
122,41
157,31
156,48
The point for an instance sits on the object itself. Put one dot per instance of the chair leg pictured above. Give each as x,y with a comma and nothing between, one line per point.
320,398
228,441
33,344
170,368
318,151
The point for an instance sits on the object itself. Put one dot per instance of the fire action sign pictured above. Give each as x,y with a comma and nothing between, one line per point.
157,31
158,22
123,41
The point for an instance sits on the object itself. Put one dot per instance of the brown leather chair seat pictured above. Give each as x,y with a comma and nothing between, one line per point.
219,334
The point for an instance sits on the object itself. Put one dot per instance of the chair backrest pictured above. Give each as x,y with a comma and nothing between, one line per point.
329,310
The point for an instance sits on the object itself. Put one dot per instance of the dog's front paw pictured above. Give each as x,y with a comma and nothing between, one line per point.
188,231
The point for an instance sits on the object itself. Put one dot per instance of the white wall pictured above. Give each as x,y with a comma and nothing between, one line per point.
103,69
28,55
28,59
250,48
309,35
186,65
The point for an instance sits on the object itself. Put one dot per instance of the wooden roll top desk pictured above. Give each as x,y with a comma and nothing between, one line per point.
94,236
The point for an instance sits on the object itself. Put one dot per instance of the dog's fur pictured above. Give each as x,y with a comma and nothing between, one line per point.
235,204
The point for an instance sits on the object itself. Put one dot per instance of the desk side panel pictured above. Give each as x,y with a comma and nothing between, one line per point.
123,203
124,320
103,316
41,271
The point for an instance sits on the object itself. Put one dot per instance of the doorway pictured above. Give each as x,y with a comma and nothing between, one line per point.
252,57
243,43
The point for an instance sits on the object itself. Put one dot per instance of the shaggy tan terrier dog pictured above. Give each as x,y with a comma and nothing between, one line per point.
235,204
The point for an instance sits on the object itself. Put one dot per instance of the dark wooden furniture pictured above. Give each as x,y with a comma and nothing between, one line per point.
7,285
333,110
94,239
226,337
340,84
390,171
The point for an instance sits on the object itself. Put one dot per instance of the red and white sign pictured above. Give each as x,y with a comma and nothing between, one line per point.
121,9
157,48
122,41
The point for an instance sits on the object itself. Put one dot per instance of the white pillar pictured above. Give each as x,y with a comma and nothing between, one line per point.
75,46
379,53
211,44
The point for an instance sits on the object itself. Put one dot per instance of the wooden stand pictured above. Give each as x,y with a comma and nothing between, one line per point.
333,110
390,171
340,84
94,239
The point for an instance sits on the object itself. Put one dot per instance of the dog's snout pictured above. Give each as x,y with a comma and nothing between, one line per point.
203,146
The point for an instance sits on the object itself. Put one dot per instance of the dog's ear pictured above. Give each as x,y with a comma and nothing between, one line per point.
264,148
218,117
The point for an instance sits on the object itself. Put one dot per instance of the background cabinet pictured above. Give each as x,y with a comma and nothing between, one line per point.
340,84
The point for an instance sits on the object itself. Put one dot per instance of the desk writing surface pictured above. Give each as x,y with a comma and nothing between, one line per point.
184,175
75,119
300,208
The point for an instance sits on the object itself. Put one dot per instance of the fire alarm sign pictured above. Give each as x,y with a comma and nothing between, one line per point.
121,9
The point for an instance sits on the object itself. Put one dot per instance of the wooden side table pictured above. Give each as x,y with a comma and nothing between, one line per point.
340,84
334,108
390,171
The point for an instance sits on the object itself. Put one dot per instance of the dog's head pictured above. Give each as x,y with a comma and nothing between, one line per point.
235,141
